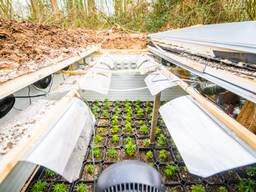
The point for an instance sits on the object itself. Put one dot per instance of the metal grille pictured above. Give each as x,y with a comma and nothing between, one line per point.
132,187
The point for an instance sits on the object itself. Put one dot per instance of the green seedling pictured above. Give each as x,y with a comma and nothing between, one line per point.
140,112
101,131
170,170
81,187
98,139
112,153
95,109
146,143
251,171
105,113
114,121
115,129
115,139
96,102
96,152
141,122
59,187
39,186
117,103
117,111
143,130
163,154
222,189
161,140
149,155
138,102
129,140
90,168
49,173
106,104
158,130
148,109
197,188
246,185
128,119
128,127
130,149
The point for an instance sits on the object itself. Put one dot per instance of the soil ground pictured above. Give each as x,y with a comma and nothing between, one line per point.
26,47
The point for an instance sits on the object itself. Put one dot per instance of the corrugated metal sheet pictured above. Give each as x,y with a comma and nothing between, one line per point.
238,36
233,87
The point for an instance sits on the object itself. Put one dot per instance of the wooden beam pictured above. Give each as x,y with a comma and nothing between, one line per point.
20,82
155,118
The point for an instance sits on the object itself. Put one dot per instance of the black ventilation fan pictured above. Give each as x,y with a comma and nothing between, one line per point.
129,175
43,83
6,105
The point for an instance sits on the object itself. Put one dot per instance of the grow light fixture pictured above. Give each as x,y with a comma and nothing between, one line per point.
157,82
98,81
95,79
56,137
205,144
64,147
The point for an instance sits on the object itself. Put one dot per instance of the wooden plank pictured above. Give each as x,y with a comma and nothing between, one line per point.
155,118
41,129
20,82
243,133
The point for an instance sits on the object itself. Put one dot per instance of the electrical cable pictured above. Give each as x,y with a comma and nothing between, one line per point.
29,96
34,96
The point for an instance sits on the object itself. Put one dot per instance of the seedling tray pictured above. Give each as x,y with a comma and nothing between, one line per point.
181,181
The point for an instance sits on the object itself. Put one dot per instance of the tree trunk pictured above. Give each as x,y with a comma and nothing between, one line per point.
54,5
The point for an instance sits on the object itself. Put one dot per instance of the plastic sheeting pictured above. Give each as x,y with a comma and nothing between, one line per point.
237,36
62,148
206,146
157,82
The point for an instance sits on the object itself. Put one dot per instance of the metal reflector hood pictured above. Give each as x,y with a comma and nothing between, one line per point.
156,82
206,146
96,81
64,141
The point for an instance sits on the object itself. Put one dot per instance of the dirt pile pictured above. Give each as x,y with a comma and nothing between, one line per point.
27,47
